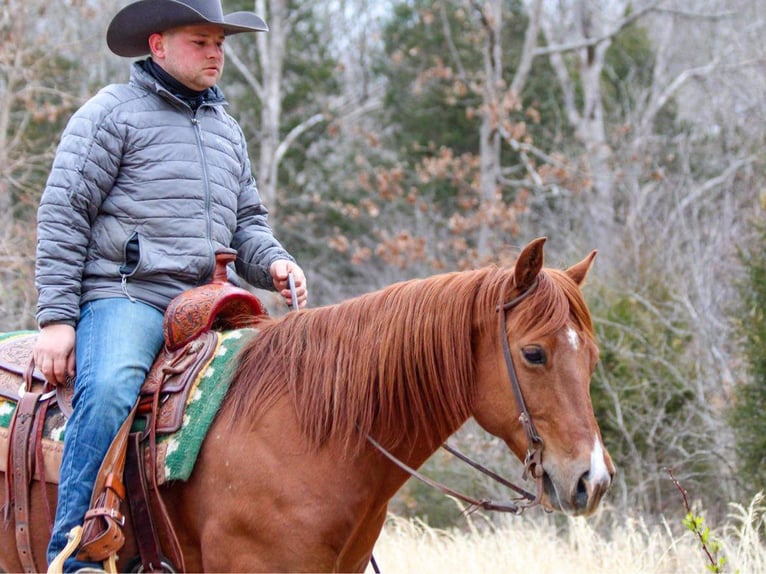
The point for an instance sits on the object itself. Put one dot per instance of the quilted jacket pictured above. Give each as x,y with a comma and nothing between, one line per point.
142,192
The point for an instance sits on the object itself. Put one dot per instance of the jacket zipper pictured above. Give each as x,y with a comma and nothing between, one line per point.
206,181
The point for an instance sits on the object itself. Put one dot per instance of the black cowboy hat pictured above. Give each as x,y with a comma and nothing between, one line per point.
129,31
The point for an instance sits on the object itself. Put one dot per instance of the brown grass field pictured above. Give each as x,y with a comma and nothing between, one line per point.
541,544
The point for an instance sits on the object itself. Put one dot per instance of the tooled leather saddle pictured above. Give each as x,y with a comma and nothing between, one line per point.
128,469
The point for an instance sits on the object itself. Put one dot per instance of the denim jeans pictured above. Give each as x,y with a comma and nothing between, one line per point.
116,342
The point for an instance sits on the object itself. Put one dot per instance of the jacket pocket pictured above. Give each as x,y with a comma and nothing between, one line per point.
131,255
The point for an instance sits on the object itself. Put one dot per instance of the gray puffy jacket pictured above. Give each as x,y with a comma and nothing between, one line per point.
137,167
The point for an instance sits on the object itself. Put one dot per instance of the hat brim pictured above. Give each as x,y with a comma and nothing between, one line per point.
129,31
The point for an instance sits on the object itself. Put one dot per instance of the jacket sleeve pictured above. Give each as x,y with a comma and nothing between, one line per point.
84,169
257,247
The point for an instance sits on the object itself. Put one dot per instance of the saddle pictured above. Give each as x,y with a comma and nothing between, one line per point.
190,326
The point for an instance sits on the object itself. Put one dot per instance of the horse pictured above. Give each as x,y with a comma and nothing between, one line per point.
288,478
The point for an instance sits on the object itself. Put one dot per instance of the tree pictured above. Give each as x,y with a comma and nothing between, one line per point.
462,156
285,69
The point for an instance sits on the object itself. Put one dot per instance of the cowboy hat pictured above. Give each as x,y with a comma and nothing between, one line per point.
129,31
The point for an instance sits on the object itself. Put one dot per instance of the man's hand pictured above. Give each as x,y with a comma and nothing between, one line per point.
54,352
279,271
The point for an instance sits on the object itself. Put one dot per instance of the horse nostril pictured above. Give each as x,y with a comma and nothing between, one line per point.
581,494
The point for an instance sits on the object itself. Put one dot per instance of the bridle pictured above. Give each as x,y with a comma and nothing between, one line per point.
533,467
533,462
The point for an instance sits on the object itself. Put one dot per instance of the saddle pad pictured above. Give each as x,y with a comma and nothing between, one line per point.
177,452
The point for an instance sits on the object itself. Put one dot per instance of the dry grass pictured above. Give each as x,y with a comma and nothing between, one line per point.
545,544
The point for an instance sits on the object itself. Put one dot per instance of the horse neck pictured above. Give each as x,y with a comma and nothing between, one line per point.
425,365
413,444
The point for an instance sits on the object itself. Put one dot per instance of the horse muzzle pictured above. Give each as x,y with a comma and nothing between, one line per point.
579,491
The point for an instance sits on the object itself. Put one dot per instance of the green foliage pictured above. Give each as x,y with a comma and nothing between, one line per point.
426,100
695,523
712,547
628,63
748,415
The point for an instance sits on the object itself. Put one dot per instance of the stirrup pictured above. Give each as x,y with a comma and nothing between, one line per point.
110,564
74,536
57,564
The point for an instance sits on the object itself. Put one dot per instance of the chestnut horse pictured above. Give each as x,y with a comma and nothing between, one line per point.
287,479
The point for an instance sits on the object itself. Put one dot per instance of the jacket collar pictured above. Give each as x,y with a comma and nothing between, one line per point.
141,77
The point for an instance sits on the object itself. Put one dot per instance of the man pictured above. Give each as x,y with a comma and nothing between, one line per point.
150,179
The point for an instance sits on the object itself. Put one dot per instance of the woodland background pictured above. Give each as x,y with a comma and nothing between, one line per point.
400,138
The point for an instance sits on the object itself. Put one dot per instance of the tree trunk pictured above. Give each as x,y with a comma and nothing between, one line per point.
271,50
489,135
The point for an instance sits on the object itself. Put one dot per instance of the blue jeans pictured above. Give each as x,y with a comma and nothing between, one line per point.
116,342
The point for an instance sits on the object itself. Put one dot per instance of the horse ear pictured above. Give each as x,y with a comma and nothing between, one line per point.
529,264
578,271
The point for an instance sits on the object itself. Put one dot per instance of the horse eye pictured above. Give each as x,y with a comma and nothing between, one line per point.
533,355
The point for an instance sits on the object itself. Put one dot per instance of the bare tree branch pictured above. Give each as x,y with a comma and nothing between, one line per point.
528,52
243,69
451,44
294,134
592,42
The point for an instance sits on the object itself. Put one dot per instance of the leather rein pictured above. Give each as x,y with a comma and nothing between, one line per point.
533,467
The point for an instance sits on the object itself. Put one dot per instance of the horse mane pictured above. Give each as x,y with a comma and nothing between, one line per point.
396,358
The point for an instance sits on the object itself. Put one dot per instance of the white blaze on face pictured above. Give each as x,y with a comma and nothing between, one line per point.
598,470
573,338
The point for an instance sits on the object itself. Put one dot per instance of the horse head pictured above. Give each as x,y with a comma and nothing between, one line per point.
550,355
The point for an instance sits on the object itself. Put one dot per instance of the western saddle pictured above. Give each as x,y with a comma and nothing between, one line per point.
190,326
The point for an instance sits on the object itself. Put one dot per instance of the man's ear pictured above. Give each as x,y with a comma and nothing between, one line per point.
157,45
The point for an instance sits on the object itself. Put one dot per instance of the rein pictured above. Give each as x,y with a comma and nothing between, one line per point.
533,462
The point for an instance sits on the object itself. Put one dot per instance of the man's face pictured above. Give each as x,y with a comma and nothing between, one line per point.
193,55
